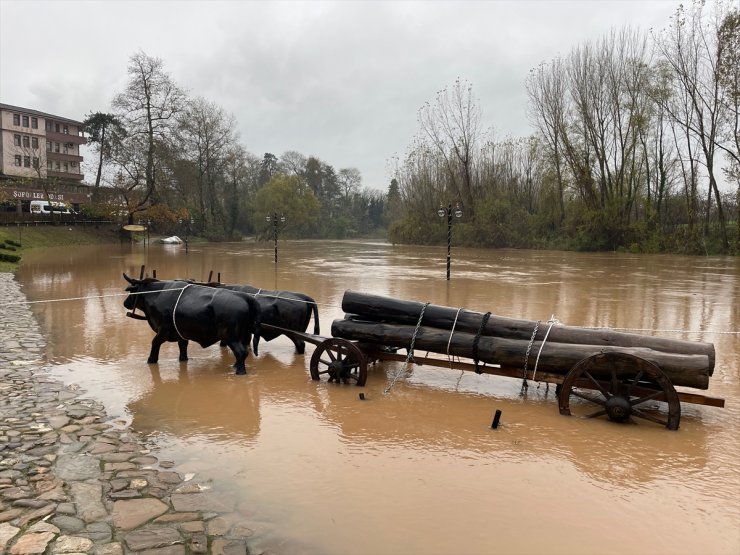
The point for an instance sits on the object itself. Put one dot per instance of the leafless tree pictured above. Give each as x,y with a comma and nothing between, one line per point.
548,110
148,108
206,136
689,46
452,127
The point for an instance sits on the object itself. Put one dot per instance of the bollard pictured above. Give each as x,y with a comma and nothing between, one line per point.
496,418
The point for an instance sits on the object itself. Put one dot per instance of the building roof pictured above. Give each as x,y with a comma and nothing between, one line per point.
11,108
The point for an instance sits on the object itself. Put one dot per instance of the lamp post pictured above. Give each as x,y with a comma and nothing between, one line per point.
188,222
148,239
442,212
274,218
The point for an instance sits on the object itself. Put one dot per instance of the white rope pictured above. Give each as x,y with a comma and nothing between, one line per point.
552,321
452,331
449,341
174,310
659,330
89,297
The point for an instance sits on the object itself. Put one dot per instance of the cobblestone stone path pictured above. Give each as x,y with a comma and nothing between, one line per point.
74,481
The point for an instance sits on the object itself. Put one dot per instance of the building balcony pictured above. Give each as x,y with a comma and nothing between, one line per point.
65,175
65,138
50,155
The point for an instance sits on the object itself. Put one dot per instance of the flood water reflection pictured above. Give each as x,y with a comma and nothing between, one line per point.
418,470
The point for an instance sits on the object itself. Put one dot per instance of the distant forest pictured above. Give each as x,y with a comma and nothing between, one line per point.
636,148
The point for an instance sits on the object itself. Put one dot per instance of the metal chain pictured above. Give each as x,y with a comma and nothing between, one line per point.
525,385
410,354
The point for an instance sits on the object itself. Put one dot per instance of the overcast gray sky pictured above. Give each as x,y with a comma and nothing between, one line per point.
342,81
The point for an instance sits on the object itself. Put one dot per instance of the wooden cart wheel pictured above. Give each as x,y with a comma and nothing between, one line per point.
631,383
340,361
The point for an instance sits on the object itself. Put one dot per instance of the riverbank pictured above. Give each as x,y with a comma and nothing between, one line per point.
19,239
73,480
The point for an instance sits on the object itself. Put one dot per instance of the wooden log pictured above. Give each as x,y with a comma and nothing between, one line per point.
558,358
390,310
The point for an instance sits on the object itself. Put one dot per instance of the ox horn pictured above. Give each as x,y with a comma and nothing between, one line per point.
130,280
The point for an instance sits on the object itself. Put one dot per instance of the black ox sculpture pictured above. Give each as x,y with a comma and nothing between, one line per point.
182,311
283,309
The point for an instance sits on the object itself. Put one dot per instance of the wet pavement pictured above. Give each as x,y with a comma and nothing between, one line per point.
73,480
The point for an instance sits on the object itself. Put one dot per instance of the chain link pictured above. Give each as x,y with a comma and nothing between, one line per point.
410,354
526,356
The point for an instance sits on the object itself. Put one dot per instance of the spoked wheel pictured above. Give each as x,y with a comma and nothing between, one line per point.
621,387
339,360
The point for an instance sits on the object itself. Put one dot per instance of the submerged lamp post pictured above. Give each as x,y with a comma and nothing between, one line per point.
274,218
188,223
442,212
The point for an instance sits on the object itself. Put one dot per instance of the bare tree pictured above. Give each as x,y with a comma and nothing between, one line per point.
690,48
548,109
452,125
148,108
293,163
206,135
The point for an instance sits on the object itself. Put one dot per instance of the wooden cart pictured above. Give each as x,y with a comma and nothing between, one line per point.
616,384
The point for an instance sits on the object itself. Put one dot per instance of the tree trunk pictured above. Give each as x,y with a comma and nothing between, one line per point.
386,309
556,358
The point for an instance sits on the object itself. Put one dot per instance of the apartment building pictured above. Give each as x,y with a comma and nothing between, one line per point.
38,145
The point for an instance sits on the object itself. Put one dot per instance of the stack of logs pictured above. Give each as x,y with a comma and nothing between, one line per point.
384,321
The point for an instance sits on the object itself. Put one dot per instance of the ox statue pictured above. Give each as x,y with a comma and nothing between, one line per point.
183,311
283,309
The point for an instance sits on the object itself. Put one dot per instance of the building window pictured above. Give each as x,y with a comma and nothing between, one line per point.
66,167
59,165
56,127
48,146
25,121
49,165
17,140
65,130
66,149
35,123
26,161
35,162
26,141
16,119
49,126
34,142
18,160
56,147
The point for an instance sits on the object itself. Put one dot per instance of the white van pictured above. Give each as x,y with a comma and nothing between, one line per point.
44,207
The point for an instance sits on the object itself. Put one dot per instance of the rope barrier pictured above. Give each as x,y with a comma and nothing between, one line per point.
259,293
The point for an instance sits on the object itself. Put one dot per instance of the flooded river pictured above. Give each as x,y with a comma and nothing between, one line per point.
316,470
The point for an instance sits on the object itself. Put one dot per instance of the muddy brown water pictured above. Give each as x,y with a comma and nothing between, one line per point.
417,470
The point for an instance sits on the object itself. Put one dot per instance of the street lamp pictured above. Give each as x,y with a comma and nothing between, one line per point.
274,218
188,223
442,212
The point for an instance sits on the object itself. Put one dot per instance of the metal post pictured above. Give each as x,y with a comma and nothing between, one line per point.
274,232
449,238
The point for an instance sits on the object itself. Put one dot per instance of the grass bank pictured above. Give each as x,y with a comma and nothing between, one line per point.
14,241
